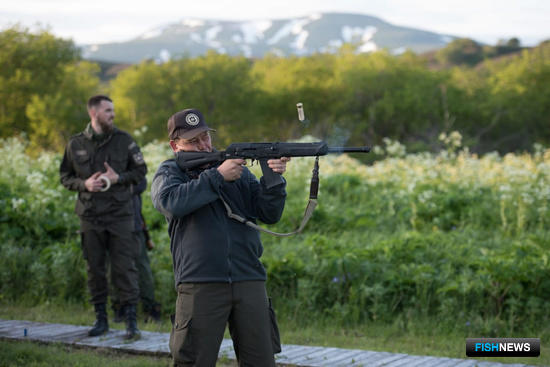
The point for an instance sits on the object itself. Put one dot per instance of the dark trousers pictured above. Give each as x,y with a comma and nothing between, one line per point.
146,281
120,246
202,312
145,276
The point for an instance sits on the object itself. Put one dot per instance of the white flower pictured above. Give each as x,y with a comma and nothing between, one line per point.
17,202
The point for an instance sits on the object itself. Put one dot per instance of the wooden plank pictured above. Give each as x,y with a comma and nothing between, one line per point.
388,359
340,359
53,331
409,361
447,362
227,343
71,336
290,352
34,335
470,363
158,346
7,325
297,355
465,363
299,350
437,361
363,358
226,349
111,339
370,357
315,356
33,331
346,357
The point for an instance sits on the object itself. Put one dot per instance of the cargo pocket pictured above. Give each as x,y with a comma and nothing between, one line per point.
275,337
181,346
83,164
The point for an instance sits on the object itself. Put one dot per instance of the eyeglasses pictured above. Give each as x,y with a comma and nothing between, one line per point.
204,137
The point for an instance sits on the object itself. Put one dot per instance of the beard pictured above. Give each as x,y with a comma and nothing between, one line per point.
106,125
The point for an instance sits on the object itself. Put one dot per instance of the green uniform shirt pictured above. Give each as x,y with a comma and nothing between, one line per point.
84,155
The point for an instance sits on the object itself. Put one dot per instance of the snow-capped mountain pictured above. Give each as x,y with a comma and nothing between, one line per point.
295,36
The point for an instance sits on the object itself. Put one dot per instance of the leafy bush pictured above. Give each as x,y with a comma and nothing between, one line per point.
453,236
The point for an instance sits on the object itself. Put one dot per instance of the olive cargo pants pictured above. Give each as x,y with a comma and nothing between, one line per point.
202,312
121,249
146,281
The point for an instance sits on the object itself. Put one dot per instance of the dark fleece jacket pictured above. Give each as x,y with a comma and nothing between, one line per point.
206,245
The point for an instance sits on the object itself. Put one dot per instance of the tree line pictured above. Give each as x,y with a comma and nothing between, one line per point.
496,97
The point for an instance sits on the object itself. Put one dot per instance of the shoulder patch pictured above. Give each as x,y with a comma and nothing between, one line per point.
138,158
132,146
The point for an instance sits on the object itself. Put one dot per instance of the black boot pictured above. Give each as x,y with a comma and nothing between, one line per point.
132,331
101,325
118,310
153,313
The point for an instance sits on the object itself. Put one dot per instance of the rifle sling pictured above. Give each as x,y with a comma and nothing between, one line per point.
312,203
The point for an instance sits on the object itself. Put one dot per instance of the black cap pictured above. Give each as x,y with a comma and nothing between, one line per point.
187,124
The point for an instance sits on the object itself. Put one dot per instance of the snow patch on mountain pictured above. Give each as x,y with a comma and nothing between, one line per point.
246,50
362,36
164,55
300,42
292,27
156,32
367,47
192,23
354,34
254,31
195,37
211,33
209,37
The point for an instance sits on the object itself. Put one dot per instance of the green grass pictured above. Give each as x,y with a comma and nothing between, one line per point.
415,338
420,339
15,353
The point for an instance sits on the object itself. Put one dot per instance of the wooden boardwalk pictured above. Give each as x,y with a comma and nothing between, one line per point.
154,343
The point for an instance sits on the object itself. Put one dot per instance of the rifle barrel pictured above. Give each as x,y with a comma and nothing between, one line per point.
348,149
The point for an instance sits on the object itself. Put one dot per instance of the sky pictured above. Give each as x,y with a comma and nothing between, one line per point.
102,21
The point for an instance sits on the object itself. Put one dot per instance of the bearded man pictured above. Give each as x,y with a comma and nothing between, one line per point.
101,164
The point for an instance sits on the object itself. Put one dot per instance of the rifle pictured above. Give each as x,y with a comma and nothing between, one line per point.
262,152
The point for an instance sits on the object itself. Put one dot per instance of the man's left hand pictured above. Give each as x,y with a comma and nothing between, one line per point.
278,165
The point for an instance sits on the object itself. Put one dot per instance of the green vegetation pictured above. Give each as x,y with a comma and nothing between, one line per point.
496,96
454,238
14,354
43,87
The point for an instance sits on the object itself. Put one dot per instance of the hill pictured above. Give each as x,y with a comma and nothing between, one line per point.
285,37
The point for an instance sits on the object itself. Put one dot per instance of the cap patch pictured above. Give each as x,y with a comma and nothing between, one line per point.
192,119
